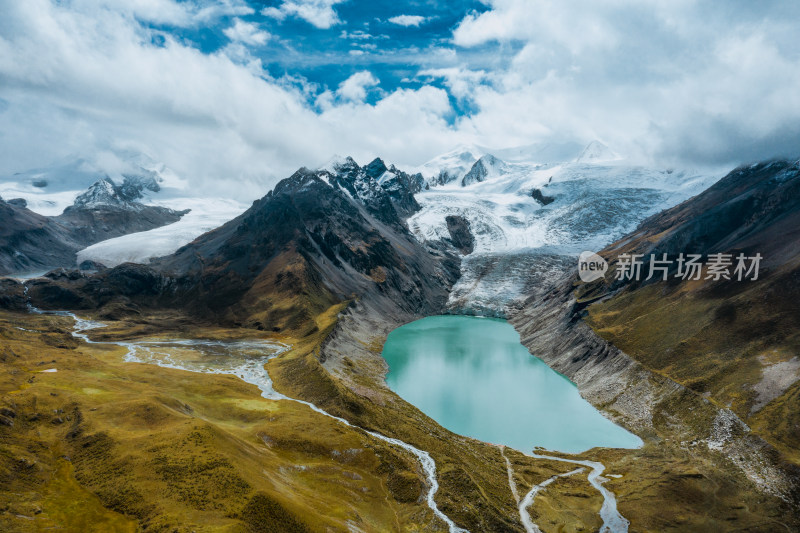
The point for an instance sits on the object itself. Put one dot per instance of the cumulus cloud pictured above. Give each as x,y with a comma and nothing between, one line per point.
408,20
246,32
668,80
318,13
675,81
461,82
355,87
181,14
77,81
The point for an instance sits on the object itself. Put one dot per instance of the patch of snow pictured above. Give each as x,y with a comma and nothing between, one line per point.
776,378
386,176
335,163
725,426
206,214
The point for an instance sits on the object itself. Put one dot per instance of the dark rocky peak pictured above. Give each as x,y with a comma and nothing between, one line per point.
416,181
346,174
542,198
386,205
386,193
302,178
376,168
401,188
344,167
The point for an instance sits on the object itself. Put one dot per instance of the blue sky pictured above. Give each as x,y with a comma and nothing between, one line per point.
394,41
247,91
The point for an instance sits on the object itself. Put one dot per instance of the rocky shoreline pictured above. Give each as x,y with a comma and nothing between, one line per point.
651,405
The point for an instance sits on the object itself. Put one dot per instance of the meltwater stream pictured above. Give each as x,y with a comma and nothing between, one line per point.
246,360
248,363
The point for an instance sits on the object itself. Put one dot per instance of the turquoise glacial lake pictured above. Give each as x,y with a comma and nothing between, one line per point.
474,377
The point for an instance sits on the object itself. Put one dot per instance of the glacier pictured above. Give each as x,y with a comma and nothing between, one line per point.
531,217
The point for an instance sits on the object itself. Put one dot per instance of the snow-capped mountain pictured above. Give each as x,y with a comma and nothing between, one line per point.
371,183
597,152
31,243
80,190
487,167
452,166
382,189
49,190
105,192
528,210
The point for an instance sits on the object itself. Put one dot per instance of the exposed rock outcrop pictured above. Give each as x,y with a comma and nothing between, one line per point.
460,234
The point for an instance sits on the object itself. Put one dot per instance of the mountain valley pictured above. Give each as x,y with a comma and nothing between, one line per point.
332,260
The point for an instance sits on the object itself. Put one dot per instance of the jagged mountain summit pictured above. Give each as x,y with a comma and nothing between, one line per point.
318,238
33,242
453,166
105,192
375,185
50,190
487,167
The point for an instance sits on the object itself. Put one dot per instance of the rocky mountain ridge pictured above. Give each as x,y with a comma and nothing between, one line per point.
318,238
693,364
31,242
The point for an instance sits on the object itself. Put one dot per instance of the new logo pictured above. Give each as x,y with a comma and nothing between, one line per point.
591,267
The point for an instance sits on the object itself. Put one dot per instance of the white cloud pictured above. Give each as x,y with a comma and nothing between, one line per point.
246,32
78,80
357,35
318,13
576,25
672,80
461,82
355,87
183,14
408,20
